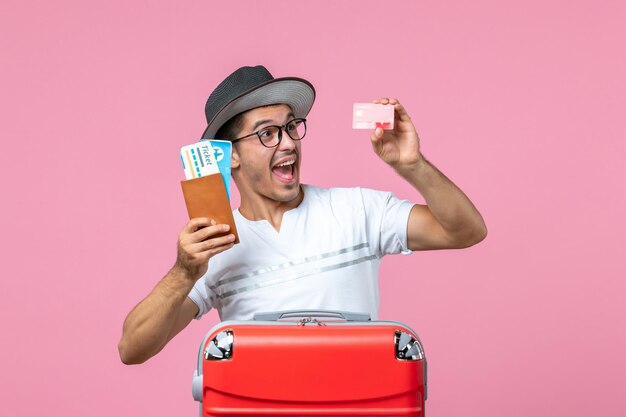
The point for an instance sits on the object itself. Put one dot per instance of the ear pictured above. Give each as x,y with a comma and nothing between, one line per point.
234,158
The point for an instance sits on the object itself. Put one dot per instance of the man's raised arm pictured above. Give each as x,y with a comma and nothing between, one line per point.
449,219
167,309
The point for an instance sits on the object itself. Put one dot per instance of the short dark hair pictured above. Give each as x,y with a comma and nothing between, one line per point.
230,130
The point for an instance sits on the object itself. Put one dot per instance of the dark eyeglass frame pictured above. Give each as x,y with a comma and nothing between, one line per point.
280,133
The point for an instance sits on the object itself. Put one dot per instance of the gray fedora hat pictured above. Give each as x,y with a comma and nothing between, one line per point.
252,87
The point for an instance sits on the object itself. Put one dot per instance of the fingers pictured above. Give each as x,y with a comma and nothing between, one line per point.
197,223
215,245
200,240
201,228
212,252
400,111
386,100
195,240
209,231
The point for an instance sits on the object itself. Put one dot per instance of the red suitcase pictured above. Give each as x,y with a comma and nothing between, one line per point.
311,363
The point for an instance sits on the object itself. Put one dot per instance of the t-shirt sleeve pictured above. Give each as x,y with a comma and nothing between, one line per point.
202,295
387,218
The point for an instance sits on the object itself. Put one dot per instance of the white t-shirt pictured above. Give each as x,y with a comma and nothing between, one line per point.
325,257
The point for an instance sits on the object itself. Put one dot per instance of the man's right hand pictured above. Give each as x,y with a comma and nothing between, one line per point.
167,309
198,242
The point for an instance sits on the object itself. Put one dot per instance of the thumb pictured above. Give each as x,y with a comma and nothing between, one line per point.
376,134
376,137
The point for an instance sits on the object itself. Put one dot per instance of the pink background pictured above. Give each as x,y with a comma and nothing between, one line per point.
522,104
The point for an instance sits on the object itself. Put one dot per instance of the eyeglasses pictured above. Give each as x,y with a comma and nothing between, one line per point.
271,136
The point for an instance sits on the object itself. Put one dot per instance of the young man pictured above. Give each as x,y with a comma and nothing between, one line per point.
302,247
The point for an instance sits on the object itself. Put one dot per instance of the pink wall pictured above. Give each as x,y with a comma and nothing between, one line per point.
522,104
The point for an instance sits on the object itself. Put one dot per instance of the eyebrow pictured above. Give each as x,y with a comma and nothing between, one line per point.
265,121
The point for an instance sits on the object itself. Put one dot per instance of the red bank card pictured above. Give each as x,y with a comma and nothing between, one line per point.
371,116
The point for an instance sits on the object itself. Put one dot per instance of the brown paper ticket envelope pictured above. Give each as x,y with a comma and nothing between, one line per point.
206,197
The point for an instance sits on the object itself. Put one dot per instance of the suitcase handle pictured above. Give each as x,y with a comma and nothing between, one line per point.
344,315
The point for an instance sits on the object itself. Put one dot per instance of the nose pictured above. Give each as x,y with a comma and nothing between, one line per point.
286,143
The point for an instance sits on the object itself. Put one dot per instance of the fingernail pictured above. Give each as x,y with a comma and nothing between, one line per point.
225,227
213,223
231,237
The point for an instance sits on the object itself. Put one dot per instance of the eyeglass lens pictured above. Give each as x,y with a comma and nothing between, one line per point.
271,135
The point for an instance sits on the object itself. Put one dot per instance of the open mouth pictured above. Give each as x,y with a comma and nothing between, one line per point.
284,170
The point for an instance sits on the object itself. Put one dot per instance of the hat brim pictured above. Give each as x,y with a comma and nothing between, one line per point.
298,93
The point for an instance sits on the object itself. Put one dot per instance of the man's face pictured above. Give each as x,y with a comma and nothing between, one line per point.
269,173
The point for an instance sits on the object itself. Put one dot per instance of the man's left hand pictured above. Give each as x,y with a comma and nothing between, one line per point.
400,147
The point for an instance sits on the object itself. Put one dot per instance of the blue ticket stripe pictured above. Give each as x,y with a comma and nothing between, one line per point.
200,157
195,162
